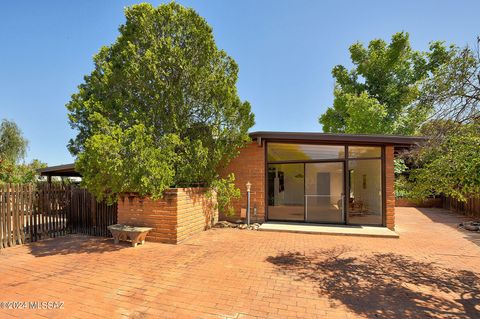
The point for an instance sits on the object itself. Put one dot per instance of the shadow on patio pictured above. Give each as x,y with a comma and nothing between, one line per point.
386,285
74,244
452,219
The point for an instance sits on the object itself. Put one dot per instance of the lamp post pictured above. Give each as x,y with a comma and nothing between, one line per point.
249,185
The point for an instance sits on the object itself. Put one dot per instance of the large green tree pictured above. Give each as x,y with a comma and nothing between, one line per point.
454,87
161,107
13,146
449,163
448,166
380,94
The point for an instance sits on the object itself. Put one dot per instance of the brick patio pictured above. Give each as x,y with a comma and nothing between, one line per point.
432,271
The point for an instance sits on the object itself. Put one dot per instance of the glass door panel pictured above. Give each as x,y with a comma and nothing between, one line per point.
286,183
365,195
324,198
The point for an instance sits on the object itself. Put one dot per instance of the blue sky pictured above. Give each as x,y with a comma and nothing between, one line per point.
285,50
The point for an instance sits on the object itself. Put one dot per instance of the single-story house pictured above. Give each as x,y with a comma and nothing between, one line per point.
322,178
343,179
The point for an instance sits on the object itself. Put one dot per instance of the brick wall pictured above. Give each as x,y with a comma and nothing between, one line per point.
390,187
195,212
181,213
249,166
186,211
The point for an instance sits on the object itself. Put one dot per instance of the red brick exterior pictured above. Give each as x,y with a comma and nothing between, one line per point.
186,211
181,213
195,212
249,166
389,187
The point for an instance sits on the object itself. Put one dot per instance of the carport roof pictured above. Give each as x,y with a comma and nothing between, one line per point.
59,170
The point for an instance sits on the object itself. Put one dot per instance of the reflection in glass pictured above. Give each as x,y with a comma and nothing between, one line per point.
286,192
364,151
295,152
365,197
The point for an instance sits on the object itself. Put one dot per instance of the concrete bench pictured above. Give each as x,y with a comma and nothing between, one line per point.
124,232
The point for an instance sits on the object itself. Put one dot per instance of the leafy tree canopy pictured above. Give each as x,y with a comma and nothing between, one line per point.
380,93
451,168
454,88
449,163
13,146
161,107
20,173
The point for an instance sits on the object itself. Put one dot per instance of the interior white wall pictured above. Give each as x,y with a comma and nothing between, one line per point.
293,193
336,179
371,196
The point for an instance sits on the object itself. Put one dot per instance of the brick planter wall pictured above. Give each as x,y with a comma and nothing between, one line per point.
181,213
249,166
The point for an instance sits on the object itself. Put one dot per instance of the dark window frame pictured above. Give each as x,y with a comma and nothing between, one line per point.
346,174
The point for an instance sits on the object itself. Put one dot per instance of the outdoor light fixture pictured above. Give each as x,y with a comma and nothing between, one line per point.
249,186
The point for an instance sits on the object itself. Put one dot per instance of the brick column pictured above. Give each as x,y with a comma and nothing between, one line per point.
389,187
249,166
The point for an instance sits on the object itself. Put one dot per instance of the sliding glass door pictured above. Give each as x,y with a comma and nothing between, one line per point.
286,192
333,184
311,192
324,198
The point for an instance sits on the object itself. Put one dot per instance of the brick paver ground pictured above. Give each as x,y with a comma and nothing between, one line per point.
432,271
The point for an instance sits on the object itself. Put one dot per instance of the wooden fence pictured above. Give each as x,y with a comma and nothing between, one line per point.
87,216
29,213
470,208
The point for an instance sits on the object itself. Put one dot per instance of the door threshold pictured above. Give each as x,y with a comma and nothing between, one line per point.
329,229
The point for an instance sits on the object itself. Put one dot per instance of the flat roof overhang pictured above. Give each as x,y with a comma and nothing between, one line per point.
60,170
399,142
364,139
